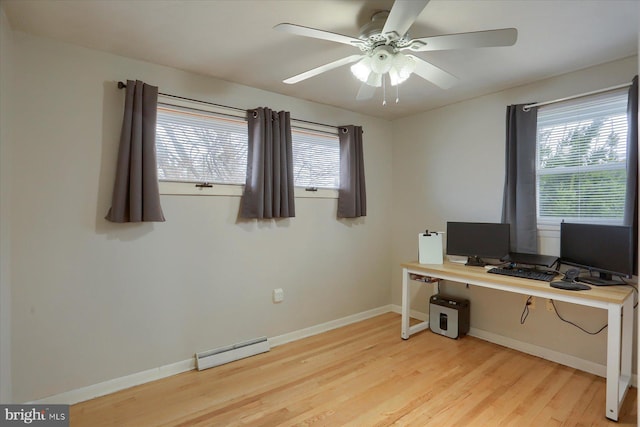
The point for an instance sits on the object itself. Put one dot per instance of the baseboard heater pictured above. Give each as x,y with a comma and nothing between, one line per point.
222,355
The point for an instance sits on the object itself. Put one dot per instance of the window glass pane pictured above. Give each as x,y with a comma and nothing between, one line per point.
581,159
198,146
316,159
587,195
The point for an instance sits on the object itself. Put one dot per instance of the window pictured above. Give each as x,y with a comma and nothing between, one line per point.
316,159
581,160
197,146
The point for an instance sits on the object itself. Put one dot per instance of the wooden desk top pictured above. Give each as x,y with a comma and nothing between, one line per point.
462,273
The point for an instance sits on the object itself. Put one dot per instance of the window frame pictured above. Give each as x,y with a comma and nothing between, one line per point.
549,226
176,188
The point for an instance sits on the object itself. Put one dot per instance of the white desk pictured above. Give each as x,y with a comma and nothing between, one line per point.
617,300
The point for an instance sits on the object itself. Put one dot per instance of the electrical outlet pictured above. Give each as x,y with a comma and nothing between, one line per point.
531,302
550,306
278,295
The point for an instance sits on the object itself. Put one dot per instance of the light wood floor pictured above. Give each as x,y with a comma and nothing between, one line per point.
365,375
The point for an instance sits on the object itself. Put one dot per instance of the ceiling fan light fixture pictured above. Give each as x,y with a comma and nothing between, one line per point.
394,77
382,59
362,69
374,80
402,68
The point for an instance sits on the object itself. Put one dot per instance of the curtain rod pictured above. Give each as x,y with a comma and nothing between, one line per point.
122,85
593,92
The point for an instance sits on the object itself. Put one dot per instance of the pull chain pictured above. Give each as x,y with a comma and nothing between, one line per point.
384,91
397,93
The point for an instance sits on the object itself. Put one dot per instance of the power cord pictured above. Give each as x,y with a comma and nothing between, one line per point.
553,303
525,311
525,314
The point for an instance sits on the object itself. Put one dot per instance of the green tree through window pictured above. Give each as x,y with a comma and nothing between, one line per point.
581,160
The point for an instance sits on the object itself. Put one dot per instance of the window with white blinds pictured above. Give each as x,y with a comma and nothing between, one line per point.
316,159
581,160
199,146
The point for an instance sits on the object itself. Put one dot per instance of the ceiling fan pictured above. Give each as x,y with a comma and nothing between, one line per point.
383,41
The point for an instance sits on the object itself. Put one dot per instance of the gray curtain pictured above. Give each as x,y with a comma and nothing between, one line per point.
631,200
135,193
352,195
268,192
519,201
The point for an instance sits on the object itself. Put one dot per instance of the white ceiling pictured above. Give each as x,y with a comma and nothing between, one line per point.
233,40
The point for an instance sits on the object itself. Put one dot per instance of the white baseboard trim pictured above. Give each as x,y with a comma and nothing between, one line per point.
121,383
534,350
542,352
327,326
117,384
413,313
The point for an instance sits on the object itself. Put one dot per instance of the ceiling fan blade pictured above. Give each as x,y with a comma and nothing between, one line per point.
489,38
323,68
403,14
317,34
435,75
366,92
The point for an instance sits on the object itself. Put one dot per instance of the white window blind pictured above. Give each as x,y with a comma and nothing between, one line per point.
316,159
199,146
581,159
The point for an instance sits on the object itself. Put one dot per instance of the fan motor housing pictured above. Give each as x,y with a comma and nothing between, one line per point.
371,33
374,27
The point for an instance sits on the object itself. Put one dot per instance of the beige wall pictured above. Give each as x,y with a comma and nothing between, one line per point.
448,165
93,301
6,74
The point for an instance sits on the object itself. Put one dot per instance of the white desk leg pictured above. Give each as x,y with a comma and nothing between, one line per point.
627,349
627,341
614,335
406,303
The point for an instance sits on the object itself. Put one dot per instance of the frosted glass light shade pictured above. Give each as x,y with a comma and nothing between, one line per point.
402,68
362,69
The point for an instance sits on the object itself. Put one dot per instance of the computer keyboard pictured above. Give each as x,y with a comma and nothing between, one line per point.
525,273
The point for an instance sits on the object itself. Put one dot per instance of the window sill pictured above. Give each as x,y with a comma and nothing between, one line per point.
190,189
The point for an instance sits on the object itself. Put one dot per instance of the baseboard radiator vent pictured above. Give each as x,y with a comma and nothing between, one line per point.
222,355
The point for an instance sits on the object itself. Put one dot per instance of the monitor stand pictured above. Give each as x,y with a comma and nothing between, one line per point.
475,261
604,280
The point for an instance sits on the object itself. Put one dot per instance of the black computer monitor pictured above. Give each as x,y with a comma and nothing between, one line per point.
477,240
603,249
